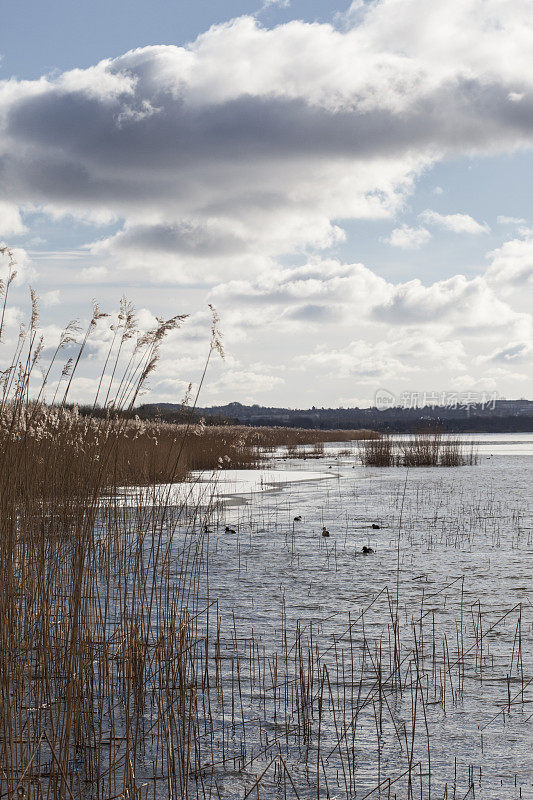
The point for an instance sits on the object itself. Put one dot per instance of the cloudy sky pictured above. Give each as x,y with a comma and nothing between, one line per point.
350,186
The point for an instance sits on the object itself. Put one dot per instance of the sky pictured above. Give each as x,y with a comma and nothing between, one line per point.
348,185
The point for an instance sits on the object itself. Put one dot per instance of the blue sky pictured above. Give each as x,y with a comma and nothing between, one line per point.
42,37
348,184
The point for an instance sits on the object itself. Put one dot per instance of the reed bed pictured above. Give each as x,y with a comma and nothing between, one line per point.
133,452
378,452
147,451
271,438
427,448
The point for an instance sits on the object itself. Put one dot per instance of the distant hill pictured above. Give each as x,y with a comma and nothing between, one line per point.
498,416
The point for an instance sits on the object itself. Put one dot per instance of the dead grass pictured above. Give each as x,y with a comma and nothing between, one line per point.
426,448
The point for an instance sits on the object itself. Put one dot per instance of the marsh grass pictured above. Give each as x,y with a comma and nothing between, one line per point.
424,448
74,650
377,452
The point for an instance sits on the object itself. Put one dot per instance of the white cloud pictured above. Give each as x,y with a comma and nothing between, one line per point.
243,383
10,220
280,3
23,265
409,238
511,265
93,274
469,307
318,293
458,223
206,160
512,353
324,292
503,220
51,298
227,380
389,359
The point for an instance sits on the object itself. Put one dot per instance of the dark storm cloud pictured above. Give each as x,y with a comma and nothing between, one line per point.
70,145
191,238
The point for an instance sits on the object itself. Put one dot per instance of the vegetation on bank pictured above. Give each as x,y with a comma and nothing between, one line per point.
64,448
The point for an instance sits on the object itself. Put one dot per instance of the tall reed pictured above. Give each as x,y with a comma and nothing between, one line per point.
424,448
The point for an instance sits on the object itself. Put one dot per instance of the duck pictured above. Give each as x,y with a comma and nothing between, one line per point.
297,519
325,532
229,530
367,550
376,526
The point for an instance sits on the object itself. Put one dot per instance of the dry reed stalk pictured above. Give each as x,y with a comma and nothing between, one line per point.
425,448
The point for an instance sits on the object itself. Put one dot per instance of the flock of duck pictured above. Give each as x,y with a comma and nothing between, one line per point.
365,550
325,533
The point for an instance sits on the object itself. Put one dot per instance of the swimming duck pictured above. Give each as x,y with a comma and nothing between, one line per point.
297,519
229,530
367,550
325,532
376,526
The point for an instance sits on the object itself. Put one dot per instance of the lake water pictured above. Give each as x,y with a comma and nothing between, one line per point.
404,673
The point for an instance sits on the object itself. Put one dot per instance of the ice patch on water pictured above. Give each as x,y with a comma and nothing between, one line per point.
221,485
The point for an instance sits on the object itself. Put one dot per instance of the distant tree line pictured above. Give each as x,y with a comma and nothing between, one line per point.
503,416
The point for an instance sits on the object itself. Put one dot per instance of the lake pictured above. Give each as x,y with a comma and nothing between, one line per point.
403,673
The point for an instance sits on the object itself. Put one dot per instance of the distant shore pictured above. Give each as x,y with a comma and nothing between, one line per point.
502,416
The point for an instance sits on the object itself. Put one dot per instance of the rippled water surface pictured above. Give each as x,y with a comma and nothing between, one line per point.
403,673
463,541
